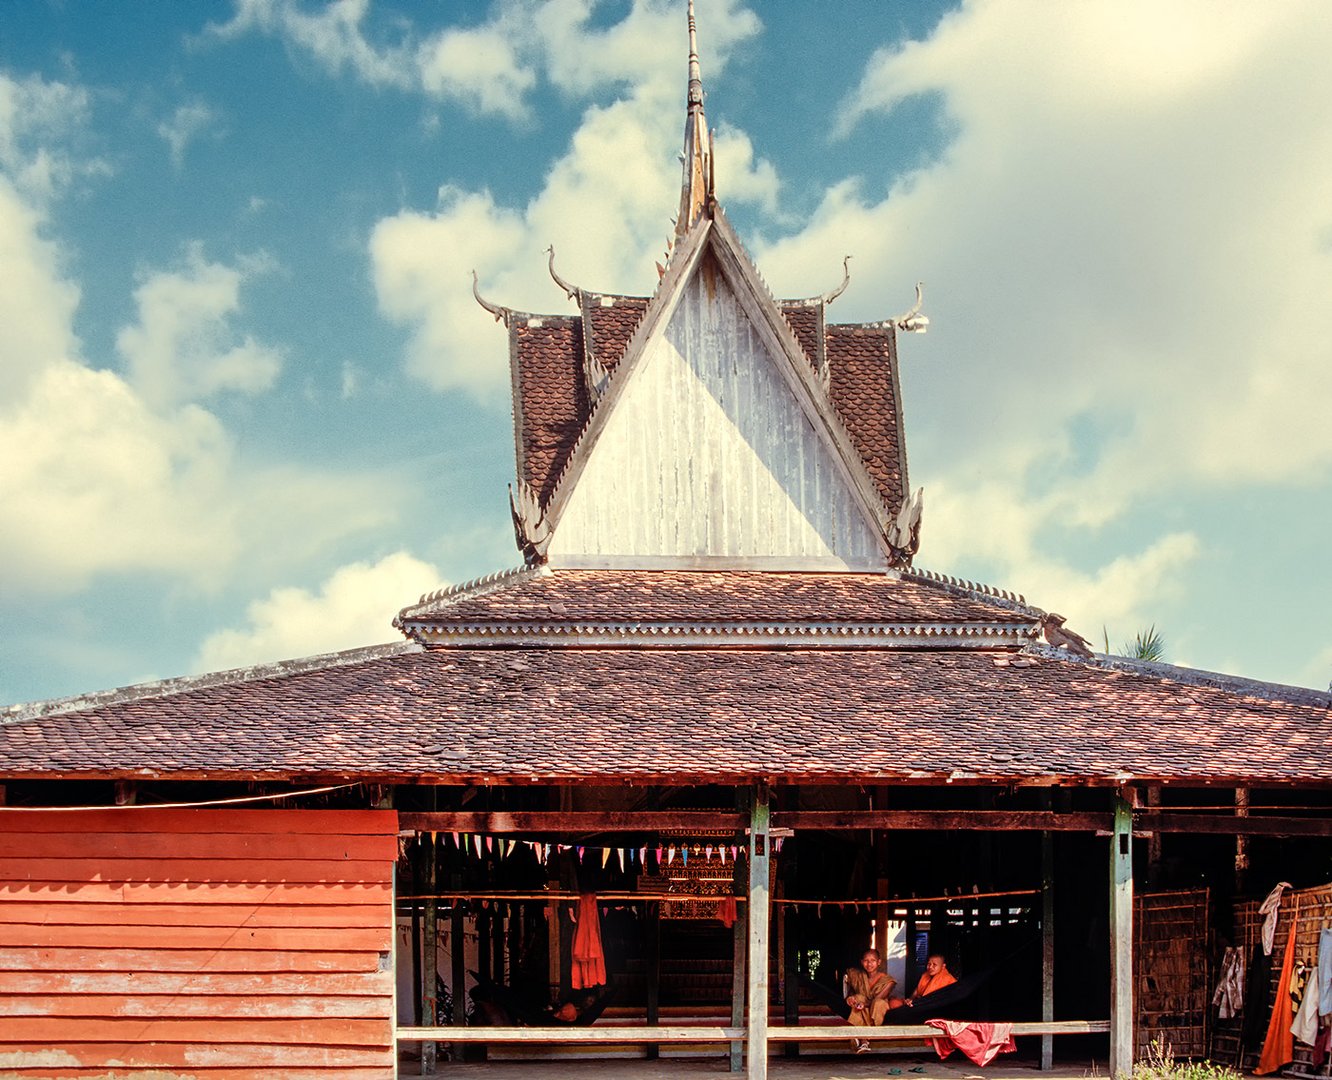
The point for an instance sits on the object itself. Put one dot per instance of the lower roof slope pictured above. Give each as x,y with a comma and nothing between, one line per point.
678,715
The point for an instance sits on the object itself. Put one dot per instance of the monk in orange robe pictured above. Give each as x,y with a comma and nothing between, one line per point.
871,994
936,977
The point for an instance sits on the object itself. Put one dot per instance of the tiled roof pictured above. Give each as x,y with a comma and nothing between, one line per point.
720,597
862,362
806,321
610,321
677,715
550,400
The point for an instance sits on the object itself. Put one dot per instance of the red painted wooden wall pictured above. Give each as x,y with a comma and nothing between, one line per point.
219,944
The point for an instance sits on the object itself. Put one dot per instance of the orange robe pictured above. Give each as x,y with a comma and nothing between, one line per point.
589,962
1279,1046
928,984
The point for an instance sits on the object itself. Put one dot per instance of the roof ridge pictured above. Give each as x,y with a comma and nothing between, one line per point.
481,586
32,710
1200,677
975,589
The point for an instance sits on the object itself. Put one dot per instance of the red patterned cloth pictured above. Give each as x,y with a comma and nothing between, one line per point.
726,911
589,962
980,1042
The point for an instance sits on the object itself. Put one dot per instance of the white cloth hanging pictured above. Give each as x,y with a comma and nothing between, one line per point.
1305,1026
1271,907
1229,996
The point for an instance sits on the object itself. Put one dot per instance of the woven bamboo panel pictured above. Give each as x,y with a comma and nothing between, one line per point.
1170,971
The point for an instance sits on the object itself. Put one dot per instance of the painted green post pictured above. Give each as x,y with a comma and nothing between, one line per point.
756,1036
1121,939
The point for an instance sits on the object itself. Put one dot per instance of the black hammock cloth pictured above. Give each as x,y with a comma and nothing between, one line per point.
939,1003
498,1005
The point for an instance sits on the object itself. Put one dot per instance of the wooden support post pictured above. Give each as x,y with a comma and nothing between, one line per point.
497,971
654,971
417,976
430,958
1153,875
1121,939
1047,947
458,954
739,941
790,952
756,1038
1241,842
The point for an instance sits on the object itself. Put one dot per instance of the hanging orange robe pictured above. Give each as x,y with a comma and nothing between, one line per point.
589,962
1279,1046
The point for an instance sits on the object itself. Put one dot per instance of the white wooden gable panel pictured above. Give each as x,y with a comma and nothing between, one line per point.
707,456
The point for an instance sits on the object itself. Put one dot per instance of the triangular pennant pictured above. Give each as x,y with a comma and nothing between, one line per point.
456,842
605,857
670,855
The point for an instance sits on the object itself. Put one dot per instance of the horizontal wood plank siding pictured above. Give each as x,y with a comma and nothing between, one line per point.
217,944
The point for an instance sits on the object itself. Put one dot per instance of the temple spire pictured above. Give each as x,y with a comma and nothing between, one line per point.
696,188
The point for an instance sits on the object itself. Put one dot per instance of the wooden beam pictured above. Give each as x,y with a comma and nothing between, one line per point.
943,820
1121,940
497,822
756,1060
739,940
1224,823
688,1033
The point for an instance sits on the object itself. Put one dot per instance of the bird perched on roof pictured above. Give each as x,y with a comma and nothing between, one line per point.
1058,635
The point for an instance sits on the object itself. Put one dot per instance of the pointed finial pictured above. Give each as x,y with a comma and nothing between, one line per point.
696,190
695,75
502,314
573,292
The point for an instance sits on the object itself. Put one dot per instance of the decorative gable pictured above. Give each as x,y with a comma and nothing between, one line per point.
710,455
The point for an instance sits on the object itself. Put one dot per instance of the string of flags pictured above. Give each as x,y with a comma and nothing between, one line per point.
481,845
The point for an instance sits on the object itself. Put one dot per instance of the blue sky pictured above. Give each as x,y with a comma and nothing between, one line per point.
248,408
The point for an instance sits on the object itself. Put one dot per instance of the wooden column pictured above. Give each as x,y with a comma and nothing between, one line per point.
790,952
1047,947
739,941
430,956
653,971
458,934
756,1035
1241,842
1121,939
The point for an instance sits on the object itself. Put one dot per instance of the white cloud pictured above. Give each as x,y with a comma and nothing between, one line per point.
606,203
183,346
184,126
37,303
347,610
479,67
37,120
1125,247
334,35
107,475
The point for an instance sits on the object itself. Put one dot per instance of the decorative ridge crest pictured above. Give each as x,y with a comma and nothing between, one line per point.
975,589
468,590
502,314
573,292
824,299
1210,680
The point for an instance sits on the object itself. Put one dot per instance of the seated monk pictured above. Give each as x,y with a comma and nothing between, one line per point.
870,997
936,977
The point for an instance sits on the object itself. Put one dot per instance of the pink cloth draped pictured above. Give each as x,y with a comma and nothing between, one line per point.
980,1042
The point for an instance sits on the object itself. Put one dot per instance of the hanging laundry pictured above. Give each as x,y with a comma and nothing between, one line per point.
1325,971
1229,996
1279,1046
982,1043
1271,908
1321,1045
1305,1027
726,911
589,961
